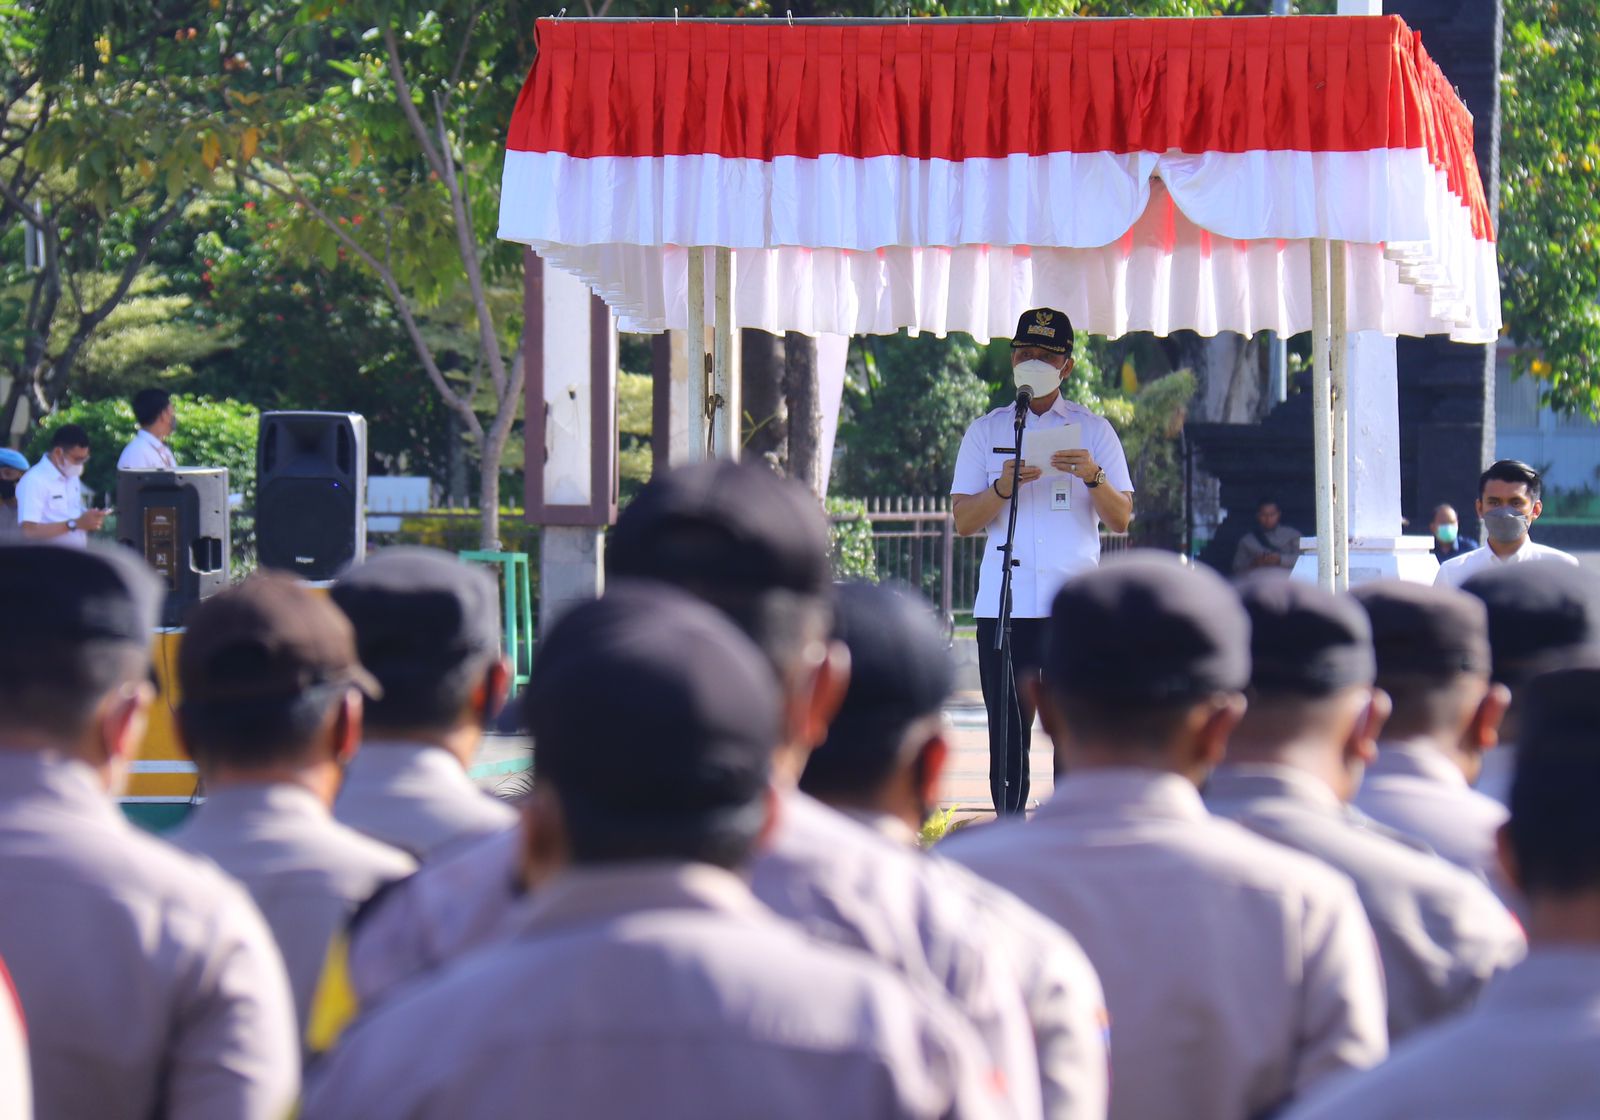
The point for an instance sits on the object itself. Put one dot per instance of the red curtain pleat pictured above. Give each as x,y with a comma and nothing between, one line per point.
761,89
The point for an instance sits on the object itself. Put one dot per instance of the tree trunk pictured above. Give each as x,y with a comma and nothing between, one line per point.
805,410
489,500
766,424
456,482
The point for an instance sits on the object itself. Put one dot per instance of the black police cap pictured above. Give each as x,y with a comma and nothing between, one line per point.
900,672
1147,628
1044,327
419,610
1539,611
56,593
1304,640
651,714
1422,630
723,525
1554,828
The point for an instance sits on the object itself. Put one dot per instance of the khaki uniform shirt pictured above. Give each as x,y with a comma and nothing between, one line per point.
150,983
1066,1006
1237,973
834,878
16,1088
306,871
1528,1051
1442,934
656,990
1420,792
418,798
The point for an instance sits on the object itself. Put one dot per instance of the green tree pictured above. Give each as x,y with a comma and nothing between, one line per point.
1549,210
906,405
395,167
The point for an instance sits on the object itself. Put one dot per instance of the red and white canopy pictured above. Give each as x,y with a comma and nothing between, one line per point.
1138,174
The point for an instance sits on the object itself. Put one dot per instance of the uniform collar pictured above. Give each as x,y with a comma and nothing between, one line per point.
887,825
1416,760
56,776
1549,977
382,759
276,799
151,437
592,895
1272,782
1129,791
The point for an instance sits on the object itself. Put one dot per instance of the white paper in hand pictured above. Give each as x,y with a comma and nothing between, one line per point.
1039,444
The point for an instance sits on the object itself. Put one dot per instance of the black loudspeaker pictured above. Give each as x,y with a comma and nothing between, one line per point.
178,521
311,491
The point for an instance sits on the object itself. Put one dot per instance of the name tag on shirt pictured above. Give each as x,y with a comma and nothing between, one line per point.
1061,494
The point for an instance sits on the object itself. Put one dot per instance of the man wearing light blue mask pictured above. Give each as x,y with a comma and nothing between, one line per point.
1081,482
1508,505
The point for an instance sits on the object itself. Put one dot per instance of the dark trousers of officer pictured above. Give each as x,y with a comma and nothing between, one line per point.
1008,739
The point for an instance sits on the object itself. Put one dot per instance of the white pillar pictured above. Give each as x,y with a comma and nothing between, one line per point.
1322,414
571,568
727,421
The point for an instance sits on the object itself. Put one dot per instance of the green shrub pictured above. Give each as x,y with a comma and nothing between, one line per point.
853,554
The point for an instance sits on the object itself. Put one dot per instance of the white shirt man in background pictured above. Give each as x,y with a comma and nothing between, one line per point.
1508,505
50,495
148,450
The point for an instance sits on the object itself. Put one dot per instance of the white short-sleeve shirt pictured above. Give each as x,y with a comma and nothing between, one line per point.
1456,571
45,496
146,453
1052,544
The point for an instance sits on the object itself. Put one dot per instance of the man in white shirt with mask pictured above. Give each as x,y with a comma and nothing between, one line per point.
50,495
1508,505
1058,527
148,450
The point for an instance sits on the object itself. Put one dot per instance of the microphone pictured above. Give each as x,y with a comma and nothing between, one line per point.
1024,396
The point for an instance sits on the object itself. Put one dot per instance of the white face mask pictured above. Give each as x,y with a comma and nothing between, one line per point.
1037,376
71,469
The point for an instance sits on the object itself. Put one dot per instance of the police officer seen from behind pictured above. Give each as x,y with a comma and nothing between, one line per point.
754,546
882,763
271,713
1237,973
644,977
1058,528
1432,646
1508,505
1528,1049
1295,762
150,984
1539,614
427,628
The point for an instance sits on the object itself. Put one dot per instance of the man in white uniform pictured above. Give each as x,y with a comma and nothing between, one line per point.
50,495
1058,527
148,450
1508,505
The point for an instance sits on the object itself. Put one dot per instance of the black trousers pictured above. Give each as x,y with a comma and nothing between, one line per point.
1008,739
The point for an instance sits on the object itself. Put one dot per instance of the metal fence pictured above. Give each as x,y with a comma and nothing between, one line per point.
914,542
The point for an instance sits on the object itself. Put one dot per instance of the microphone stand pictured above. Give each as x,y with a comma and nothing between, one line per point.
1002,630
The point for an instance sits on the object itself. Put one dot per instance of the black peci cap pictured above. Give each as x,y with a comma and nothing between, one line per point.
1554,828
732,527
900,672
1045,328
1539,611
268,638
1422,630
52,593
1303,640
652,715
1147,628
419,611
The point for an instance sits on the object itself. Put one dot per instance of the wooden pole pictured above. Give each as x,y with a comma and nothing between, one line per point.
1339,416
729,411
696,349
1322,412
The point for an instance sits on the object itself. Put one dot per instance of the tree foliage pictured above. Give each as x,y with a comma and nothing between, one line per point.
1549,209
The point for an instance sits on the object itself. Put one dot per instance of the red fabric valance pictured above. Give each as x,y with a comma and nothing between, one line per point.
763,89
